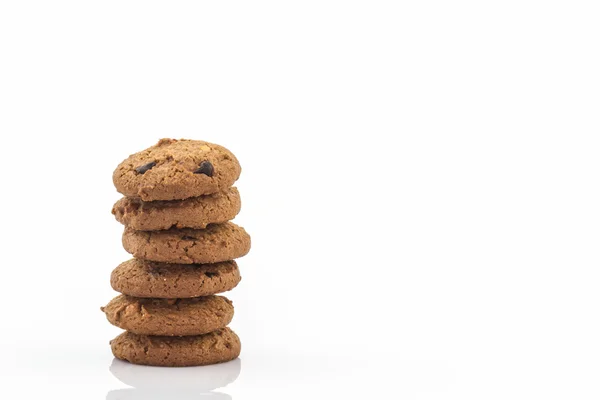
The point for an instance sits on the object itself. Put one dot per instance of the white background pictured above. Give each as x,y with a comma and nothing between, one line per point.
420,179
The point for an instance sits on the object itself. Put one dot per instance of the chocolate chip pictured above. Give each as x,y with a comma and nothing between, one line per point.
144,168
188,238
211,274
206,168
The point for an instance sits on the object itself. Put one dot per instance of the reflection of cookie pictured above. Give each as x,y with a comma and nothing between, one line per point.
195,212
177,169
166,351
193,380
163,393
141,278
218,242
169,317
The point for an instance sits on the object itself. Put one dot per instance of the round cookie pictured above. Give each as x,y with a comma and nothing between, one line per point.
216,243
195,212
169,317
141,278
186,351
177,169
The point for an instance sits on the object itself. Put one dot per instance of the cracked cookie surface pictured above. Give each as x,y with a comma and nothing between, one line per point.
165,351
195,212
216,243
177,169
141,278
169,317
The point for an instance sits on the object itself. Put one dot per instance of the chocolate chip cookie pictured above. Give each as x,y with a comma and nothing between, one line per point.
141,278
169,317
177,169
216,243
195,212
166,351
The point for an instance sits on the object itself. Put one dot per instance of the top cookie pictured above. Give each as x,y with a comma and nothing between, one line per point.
177,169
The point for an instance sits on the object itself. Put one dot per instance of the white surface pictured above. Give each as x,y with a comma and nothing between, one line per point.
420,181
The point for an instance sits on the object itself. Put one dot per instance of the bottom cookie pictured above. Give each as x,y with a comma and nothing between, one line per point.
185,351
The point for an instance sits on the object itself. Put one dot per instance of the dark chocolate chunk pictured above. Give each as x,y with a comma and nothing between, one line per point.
145,167
206,168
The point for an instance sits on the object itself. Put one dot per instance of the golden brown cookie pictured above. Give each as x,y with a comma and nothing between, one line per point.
169,317
216,243
141,278
195,212
166,351
177,169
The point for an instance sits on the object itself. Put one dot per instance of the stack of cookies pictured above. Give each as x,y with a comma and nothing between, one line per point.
178,203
